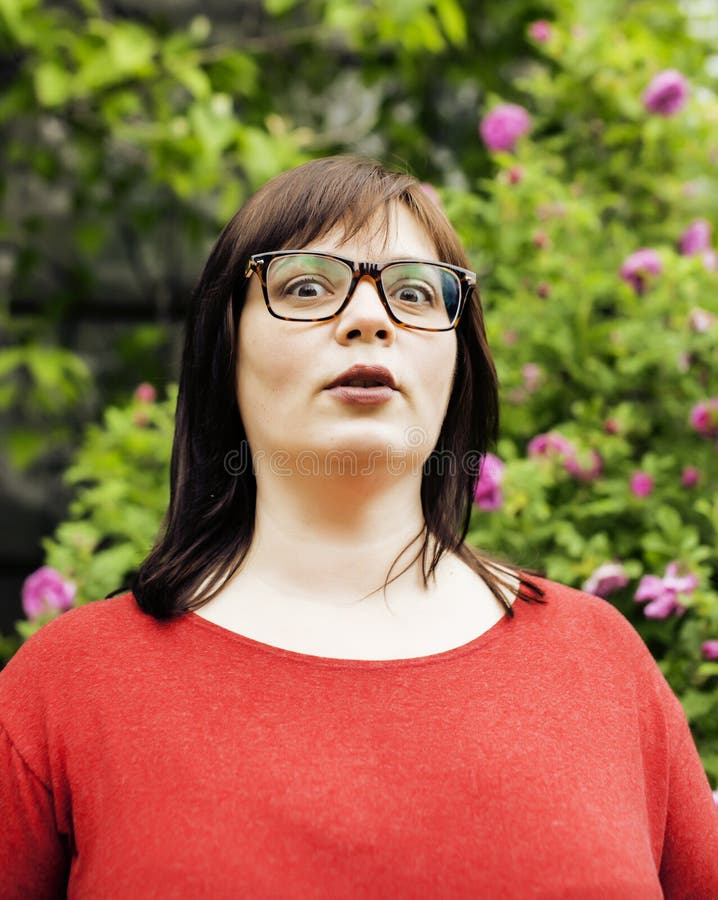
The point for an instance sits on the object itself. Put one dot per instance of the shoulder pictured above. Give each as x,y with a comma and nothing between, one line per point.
83,627
73,646
84,659
571,604
592,625
585,639
567,609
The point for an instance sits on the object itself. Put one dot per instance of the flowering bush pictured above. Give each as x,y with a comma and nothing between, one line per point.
120,477
488,487
608,578
540,31
637,269
664,592
504,125
667,93
46,592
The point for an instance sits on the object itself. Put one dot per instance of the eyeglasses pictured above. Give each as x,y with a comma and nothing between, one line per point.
313,287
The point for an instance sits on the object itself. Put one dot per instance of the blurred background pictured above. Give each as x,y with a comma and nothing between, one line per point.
574,145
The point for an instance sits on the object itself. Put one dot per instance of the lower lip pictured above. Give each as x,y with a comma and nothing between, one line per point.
371,395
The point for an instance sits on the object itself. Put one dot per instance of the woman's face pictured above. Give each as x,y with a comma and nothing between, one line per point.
284,368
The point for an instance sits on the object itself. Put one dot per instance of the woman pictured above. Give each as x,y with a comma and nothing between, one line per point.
270,712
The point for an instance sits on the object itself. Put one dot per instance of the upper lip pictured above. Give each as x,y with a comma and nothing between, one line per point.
365,373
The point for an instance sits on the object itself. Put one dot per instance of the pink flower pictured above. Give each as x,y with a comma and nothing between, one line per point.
700,320
641,484
46,591
504,125
696,238
554,445
487,494
667,93
640,265
585,473
540,31
551,445
145,393
533,376
431,193
555,210
715,797
704,417
606,579
709,649
663,592
516,174
690,477
611,426
517,396
682,584
684,362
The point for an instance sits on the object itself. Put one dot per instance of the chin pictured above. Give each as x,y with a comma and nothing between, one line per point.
366,458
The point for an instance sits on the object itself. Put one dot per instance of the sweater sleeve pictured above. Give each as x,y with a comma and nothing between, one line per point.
33,856
689,863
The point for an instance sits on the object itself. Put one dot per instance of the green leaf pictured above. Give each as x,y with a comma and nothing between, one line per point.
193,78
697,704
452,19
26,628
669,522
131,48
279,7
24,446
53,85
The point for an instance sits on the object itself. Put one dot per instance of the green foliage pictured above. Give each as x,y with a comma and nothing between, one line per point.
119,478
121,493
113,129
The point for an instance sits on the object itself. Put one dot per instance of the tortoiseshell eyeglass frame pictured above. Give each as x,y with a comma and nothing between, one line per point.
259,262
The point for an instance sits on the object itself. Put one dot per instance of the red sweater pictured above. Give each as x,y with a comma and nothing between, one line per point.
547,758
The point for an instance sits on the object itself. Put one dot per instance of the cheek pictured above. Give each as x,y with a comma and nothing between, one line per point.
267,365
440,364
253,369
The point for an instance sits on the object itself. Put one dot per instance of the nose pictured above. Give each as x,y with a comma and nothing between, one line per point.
365,316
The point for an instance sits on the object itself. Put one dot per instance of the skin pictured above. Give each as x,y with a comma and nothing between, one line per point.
284,367
325,540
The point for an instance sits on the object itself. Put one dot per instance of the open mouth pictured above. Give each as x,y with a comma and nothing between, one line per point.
366,377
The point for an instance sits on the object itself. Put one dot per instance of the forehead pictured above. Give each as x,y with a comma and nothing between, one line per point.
390,234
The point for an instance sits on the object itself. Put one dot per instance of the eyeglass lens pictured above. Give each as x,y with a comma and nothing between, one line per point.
304,286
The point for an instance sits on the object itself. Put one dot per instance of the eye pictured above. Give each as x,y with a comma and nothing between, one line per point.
308,287
413,293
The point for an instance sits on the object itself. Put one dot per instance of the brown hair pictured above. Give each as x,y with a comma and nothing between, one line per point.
209,525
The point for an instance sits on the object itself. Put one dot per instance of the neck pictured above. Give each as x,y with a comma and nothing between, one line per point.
333,540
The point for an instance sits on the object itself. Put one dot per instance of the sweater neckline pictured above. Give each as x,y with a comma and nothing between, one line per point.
491,634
